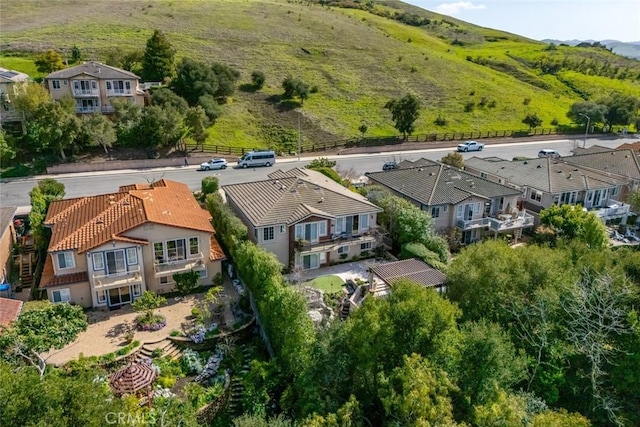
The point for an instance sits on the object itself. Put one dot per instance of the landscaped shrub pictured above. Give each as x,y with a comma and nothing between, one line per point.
469,106
198,335
154,323
191,362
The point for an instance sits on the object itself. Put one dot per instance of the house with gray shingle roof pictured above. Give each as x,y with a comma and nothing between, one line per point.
9,82
93,86
306,219
455,198
547,181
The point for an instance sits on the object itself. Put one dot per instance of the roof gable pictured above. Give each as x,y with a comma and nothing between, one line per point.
438,184
295,195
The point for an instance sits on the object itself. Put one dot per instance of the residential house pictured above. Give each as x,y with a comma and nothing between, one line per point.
106,250
7,240
457,199
620,163
547,181
94,86
306,219
10,81
9,311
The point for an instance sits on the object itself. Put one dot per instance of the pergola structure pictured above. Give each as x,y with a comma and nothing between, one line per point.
136,379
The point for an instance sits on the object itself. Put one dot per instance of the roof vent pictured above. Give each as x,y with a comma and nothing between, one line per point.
432,174
449,182
613,153
99,221
321,200
126,203
569,177
575,170
420,169
293,190
525,163
539,167
282,187
559,171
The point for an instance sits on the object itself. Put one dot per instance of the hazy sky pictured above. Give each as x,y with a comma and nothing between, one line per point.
548,19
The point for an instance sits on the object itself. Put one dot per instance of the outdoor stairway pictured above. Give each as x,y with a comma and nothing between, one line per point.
344,311
237,387
169,349
26,270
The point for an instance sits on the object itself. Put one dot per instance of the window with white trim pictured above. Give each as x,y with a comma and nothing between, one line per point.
366,246
322,228
343,250
98,261
65,260
435,212
459,211
282,229
203,273
132,256
56,84
194,248
309,231
364,221
61,295
268,234
137,290
535,195
101,297
164,280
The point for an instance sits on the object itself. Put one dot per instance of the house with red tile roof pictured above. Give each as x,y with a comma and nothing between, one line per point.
106,250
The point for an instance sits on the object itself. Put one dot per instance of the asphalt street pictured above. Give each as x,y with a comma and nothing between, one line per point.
15,192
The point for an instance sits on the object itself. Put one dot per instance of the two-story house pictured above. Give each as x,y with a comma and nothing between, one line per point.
106,250
306,219
547,181
94,86
455,198
10,81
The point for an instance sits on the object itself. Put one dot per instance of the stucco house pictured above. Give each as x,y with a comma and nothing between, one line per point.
306,219
455,198
7,240
106,250
94,86
544,182
10,81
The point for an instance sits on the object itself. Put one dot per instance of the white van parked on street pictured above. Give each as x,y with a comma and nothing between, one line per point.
257,158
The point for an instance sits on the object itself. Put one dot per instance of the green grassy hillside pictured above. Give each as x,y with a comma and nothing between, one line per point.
358,59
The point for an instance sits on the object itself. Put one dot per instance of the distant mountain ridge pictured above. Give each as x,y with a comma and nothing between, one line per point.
628,49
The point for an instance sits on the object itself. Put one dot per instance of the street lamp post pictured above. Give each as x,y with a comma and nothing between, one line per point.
586,130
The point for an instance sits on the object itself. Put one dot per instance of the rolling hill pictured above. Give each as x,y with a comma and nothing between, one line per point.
357,56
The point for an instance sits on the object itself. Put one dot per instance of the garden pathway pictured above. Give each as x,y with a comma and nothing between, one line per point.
107,330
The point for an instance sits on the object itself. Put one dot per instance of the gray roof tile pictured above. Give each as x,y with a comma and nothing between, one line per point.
293,196
94,69
438,184
621,162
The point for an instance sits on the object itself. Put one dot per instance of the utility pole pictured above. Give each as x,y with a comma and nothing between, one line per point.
586,131
299,139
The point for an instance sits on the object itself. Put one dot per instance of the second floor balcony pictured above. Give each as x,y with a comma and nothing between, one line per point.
104,281
341,239
499,223
86,92
613,209
164,267
119,92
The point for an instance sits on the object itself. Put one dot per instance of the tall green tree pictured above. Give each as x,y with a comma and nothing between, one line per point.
158,62
594,110
53,129
194,79
572,222
454,159
162,127
227,78
166,97
532,120
622,109
404,112
127,120
295,87
197,122
49,61
98,131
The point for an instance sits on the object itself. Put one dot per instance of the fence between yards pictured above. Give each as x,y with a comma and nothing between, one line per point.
308,146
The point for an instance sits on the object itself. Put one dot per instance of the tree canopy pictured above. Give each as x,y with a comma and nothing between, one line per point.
158,61
404,112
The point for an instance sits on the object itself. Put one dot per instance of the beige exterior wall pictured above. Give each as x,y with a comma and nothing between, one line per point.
7,240
80,263
161,233
104,97
279,246
80,293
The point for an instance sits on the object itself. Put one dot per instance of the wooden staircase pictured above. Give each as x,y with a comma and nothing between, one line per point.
235,408
345,308
27,261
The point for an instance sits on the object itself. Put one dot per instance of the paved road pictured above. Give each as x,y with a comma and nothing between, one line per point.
15,192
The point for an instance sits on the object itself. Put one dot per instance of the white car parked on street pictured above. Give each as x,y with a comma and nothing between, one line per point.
214,164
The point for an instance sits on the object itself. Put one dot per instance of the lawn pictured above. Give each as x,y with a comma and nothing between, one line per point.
329,284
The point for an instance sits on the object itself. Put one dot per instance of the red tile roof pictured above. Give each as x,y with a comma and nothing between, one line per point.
9,310
49,279
87,222
216,253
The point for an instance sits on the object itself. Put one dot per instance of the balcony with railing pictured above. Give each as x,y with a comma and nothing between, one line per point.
172,265
501,223
88,109
105,281
337,240
119,92
612,209
85,92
